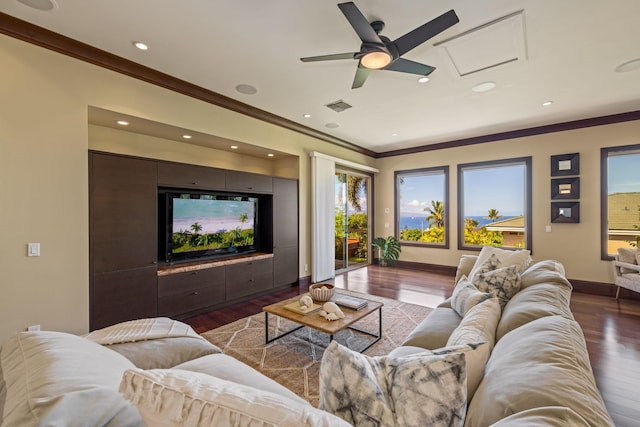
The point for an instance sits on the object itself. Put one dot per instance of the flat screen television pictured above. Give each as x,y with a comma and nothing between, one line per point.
202,224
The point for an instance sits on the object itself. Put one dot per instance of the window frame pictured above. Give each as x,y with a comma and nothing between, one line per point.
447,224
604,196
527,163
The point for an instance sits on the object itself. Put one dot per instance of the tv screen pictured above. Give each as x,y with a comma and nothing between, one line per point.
201,225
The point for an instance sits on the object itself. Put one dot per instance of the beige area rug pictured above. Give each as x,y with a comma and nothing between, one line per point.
294,360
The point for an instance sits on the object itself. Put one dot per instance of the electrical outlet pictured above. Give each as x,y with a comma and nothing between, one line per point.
306,268
33,328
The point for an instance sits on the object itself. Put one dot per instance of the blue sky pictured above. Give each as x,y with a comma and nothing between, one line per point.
624,173
499,188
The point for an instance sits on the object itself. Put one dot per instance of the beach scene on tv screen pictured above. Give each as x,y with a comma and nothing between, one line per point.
205,224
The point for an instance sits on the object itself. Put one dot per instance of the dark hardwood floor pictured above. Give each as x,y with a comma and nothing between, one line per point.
611,327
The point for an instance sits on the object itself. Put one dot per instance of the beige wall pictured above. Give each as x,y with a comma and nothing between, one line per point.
577,246
45,136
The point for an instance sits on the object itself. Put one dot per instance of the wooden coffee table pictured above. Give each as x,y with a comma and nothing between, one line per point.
316,321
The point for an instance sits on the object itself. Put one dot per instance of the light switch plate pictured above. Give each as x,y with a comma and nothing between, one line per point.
33,249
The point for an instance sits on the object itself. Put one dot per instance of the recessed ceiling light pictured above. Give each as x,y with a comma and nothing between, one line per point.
423,79
141,46
270,155
332,125
234,147
306,116
44,5
187,136
484,87
122,123
394,134
547,103
246,89
634,64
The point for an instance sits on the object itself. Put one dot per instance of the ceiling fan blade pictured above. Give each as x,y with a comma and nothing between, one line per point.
361,76
359,23
425,32
405,66
329,57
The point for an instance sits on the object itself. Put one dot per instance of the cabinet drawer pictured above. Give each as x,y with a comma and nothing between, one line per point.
251,182
190,176
249,278
190,300
180,283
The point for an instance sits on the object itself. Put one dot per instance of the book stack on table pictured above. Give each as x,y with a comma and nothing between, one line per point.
351,302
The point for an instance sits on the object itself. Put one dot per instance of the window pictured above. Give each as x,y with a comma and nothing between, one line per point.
620,198
422,207
494,204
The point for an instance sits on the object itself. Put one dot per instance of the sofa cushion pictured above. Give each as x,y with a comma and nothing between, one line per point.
520,258
478,326
465,296
542,363
54,378
175,397
534,302
162,353
548,416
504,282
465,265
230,369
417,390
434,331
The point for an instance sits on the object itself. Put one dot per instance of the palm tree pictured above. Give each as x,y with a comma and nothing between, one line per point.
493,215
196,227
436,214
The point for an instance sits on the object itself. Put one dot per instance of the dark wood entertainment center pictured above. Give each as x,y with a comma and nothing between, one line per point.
128,281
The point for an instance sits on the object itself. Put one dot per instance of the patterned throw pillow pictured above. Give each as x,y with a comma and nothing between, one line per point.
503,282
423,389
507,257
465,296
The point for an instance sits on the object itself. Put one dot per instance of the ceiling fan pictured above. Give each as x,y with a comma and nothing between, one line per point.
377,52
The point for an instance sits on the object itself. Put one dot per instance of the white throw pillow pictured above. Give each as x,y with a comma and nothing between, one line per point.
178,398
465,296
520,258
59,379
503,283
424,389
478,326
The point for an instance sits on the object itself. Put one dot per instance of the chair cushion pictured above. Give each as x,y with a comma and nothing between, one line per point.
630,256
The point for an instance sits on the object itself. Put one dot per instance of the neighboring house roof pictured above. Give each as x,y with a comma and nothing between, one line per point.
511,224
624,211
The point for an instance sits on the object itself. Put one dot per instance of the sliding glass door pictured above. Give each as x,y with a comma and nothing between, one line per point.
352,220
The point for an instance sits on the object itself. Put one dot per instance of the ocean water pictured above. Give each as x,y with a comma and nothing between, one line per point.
420,222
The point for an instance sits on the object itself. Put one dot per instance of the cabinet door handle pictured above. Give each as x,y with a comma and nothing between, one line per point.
194,293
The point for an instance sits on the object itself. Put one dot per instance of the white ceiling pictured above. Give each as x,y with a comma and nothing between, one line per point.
566,51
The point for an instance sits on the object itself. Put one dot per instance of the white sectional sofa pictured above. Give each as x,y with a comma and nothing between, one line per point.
504,350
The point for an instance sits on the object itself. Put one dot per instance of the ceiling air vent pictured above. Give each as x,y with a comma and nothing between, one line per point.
338,106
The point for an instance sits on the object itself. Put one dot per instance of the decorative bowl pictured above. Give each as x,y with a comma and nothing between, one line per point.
321,291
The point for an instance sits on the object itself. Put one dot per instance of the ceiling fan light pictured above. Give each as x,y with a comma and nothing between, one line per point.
376,60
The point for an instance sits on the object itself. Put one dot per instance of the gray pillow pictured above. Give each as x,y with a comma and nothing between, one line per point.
466,296
502,282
